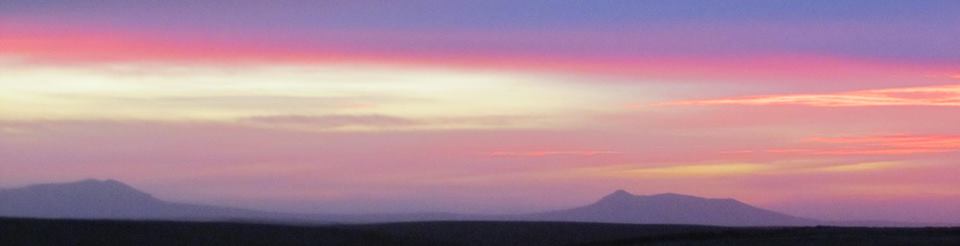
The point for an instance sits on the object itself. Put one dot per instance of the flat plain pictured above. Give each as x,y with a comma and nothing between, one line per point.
14,231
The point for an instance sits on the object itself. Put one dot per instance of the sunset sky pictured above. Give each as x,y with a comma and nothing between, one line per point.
834,109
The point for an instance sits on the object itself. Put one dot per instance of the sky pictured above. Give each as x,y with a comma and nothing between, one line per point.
840,109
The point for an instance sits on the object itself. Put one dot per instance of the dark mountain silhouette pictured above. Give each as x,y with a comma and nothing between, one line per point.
109,199
669,208
105,199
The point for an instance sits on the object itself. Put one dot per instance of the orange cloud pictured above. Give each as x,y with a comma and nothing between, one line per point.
869,145
944,96
857,167
699,170
894,144
728,169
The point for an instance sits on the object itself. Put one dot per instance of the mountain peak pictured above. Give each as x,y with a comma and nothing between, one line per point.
624,199
106,184
90,188
107,198
621,192
618,196
110,182
674,196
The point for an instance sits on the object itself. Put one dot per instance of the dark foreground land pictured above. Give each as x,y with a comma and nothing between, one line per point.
102,232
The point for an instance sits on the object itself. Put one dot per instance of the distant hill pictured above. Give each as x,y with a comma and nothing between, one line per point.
110,199
623,207
107,199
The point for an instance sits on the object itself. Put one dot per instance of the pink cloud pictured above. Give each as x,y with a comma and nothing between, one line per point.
233,159
544,153
57,44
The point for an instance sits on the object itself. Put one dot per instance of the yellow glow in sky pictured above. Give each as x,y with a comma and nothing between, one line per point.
433,97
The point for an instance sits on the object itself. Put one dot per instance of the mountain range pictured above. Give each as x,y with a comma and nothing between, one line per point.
110,199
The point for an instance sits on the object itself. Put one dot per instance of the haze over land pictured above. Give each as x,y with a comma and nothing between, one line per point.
828,109
110,199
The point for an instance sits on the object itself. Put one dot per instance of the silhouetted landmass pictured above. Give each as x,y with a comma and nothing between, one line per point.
104,232
106,199
110,199
669,208
800,236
